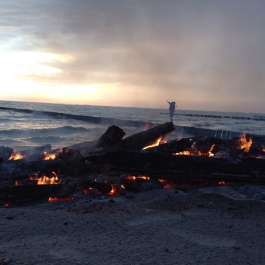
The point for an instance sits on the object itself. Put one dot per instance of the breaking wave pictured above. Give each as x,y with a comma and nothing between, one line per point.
43,132
44,139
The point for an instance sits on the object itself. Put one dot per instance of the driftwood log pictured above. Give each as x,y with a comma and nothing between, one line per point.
135,142
171,167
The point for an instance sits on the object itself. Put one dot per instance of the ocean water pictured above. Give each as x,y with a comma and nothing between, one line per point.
21,130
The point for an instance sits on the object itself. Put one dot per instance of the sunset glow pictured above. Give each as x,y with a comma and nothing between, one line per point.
135,55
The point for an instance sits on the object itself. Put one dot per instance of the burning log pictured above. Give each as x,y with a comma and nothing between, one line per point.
140,183
20,170
175,168
140,141
174,146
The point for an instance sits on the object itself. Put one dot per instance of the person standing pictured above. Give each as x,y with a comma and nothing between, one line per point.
172,107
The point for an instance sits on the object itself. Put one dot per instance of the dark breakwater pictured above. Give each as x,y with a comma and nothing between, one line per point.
91,119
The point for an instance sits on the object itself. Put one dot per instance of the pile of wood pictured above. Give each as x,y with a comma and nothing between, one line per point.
113,157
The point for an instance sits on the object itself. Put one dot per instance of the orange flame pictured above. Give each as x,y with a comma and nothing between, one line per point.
156,143
114,191
221,183
48,156
16,156
244,143
211,149
46,180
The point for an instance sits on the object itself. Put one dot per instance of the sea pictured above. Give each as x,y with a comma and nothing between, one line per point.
27,124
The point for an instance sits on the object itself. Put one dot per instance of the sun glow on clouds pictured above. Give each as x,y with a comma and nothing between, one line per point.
29,63
18,72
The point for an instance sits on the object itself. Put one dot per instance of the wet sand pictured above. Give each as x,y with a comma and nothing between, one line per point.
161,226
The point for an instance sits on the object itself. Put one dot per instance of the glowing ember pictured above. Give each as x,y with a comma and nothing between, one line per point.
112,191
244,143
166,184
184,153
221,183
137,177
156,143
16,156
55,199
6,205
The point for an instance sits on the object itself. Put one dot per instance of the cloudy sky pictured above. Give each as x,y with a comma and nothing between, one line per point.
203,54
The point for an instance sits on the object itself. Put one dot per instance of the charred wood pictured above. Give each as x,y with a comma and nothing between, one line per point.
5,152
102,187
27,193
18,169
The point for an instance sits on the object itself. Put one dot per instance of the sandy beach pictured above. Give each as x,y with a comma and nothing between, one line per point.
162,226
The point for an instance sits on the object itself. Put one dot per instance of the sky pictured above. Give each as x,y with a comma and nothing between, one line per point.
203,54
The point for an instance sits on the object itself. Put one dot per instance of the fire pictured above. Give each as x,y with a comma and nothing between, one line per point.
184,153
16,156
6,205
114,190
221,183
156,143
211,149
48,156
137,177
55,199
244,143
195,152
46,180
